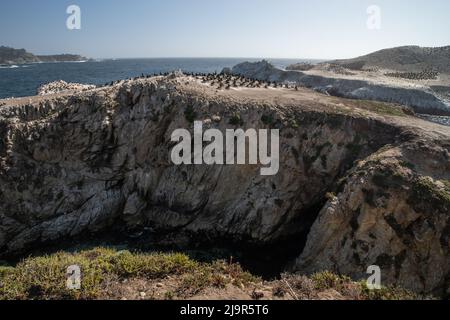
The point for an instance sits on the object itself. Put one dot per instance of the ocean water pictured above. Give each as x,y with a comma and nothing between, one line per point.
23,80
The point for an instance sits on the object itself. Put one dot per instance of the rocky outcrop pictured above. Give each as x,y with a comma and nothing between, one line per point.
303,66
11,56
422,101
391,211
74,165
61,86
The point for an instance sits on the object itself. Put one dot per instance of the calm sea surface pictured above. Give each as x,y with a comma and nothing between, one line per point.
23,80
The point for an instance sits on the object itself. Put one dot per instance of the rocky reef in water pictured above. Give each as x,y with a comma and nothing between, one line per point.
356,186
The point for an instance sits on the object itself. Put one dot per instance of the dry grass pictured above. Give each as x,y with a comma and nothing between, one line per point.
111,274
45,277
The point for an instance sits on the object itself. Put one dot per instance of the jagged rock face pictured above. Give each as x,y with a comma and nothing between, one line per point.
389,213
100,159
95,159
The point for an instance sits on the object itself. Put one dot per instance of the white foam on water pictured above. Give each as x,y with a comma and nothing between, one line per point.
14,66
9,67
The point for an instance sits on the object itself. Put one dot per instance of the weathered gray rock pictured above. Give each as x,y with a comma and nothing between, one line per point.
80,164
390,213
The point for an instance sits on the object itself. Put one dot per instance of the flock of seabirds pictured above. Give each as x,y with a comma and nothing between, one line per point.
219,80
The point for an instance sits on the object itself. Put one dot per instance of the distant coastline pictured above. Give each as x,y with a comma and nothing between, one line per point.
15,57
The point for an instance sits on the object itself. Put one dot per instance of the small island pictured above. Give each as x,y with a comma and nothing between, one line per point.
11,56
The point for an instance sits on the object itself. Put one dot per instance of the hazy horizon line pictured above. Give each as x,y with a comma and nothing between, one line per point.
224,57
206,57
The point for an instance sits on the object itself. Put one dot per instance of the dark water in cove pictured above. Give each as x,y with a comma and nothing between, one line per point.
23,80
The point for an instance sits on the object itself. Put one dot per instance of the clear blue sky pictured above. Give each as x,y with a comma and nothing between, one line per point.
222,28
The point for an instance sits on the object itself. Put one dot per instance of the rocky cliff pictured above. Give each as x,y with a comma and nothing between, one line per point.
62,86
360,184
